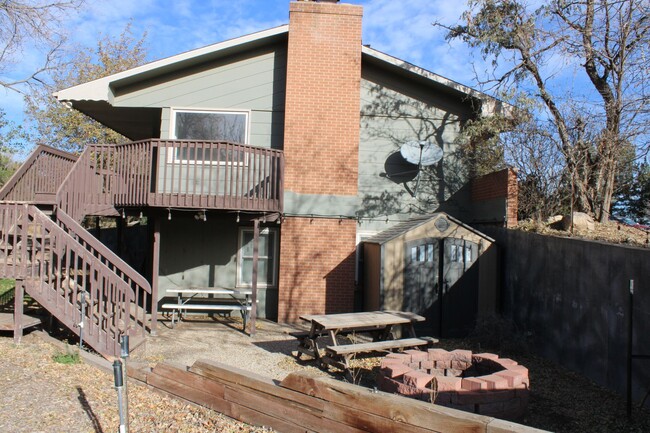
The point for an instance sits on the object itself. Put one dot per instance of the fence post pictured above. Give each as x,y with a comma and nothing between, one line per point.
630,331
19,294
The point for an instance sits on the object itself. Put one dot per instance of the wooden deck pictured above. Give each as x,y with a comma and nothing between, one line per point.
7,321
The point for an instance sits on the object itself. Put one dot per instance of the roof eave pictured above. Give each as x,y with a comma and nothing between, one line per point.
489,105
102,88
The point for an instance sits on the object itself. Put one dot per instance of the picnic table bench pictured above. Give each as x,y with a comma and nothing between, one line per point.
222,300
379,324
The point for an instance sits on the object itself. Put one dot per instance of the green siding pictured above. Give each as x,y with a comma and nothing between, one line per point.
198,253
253,81
246,80
165,117
394,111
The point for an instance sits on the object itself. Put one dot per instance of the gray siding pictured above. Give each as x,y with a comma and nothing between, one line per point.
198,253
394,111
254,81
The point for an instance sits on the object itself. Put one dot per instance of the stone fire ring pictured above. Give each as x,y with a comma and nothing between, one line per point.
480,383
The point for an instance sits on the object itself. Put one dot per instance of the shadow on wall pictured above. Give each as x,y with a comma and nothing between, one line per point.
340,287
391,117
198,252
135,245
316,277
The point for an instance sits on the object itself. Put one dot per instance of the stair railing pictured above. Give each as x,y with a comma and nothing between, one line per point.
139,285
61,263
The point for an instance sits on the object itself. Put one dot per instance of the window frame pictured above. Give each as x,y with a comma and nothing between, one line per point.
271,231
172,155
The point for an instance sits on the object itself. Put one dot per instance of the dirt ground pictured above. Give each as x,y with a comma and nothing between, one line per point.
41,395
81,397
610,232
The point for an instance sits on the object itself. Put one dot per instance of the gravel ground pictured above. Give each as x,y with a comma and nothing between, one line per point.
40,395
268,352
81,397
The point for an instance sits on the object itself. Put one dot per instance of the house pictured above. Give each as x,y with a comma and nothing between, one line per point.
263,161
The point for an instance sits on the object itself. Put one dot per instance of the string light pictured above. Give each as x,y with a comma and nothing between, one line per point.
123,214
205,216
141,216
169,215
237,220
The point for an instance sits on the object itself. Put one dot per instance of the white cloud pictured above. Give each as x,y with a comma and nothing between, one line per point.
400,28
406,30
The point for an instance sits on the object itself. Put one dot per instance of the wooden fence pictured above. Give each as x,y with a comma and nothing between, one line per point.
304,402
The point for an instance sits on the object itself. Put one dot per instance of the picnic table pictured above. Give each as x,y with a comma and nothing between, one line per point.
379,324
219,299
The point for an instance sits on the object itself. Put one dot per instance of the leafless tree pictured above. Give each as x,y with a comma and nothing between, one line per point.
30,23
607,41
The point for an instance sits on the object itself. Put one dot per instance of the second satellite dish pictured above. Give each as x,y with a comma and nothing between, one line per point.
421,153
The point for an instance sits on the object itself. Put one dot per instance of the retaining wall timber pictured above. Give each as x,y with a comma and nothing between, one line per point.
572,296
303,402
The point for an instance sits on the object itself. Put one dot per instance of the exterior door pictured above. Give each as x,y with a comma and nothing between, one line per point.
459,282
422,282
441,284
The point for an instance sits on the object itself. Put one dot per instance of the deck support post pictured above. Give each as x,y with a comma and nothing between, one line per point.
154,275
18,311
256,254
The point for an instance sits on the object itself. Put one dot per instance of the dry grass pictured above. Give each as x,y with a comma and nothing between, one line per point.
41,395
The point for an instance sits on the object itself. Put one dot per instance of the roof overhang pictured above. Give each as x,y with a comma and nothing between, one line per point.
96,98
103,89
488,105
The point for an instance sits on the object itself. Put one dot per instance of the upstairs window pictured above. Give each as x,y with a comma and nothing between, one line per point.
231,126
211,125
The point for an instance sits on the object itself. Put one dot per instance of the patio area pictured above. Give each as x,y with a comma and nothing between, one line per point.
221,339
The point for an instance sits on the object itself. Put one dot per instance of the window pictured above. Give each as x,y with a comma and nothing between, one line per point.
266,264
422,253
211,125
229,126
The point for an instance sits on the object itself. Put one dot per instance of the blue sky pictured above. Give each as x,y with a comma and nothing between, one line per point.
400,28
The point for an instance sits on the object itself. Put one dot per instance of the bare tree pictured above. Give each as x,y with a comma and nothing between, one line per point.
605,39
58,125
30,22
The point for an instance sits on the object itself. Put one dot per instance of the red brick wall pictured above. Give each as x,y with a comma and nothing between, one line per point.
500,184
317,262
321,135
512,198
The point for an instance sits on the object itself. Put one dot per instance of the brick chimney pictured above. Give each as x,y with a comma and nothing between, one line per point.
321,136
321,150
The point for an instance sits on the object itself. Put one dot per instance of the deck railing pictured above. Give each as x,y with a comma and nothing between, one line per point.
39,177
174,173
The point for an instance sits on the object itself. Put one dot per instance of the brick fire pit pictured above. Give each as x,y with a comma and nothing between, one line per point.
480,383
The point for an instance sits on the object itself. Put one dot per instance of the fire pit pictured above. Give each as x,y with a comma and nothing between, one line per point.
479,383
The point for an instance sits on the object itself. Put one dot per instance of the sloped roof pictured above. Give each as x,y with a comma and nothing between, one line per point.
101,90
412,223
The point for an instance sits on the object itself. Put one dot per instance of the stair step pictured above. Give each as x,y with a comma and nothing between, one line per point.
7,321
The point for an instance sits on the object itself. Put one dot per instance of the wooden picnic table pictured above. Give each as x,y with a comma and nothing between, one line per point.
379,324
187,299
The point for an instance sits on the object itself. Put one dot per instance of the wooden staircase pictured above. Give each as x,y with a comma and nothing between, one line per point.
60,264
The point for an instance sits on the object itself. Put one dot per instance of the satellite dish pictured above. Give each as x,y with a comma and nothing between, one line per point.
421,153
